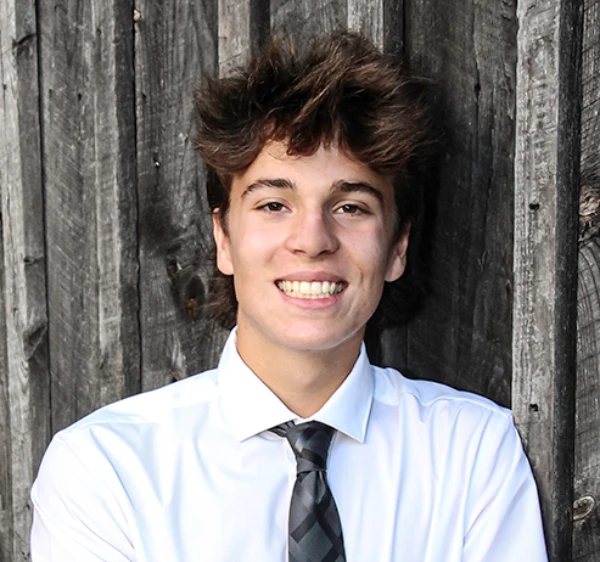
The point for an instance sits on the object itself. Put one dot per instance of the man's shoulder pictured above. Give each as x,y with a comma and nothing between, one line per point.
393,387
153,406
125,439
455,425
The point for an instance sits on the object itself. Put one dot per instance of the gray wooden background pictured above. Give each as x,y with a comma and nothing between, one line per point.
105,226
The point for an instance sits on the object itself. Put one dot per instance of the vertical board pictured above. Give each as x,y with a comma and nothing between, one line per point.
24,384
243,26
367,19
6,500
6,511
586,483
89,161
590,71
302,20
176,44
379,20
235,34
586,513
545,266
462,336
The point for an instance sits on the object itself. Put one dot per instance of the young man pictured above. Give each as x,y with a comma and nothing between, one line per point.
296,448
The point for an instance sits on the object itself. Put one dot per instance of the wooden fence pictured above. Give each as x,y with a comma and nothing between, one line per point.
105,225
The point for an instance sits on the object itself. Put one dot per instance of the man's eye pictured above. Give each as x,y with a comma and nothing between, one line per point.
349,209
273,207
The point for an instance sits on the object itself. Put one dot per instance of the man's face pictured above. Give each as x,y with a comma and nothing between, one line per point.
309,242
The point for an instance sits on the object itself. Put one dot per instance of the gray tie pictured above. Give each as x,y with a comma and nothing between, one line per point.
315,532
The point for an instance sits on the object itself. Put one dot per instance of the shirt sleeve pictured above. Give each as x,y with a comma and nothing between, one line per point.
76,516
504,520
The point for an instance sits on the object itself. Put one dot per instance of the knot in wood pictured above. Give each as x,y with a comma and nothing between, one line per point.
583,508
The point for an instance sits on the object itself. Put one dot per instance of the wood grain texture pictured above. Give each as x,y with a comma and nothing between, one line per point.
235,34
590,71
6,511
379,20
367,19
546,205
243,27
302,20
89,157
6,500
462,336
586,482
24,386
176,44
586,513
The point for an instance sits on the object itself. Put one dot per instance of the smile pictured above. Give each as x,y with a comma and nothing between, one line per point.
310,289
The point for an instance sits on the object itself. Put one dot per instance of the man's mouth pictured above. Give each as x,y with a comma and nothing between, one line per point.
311,289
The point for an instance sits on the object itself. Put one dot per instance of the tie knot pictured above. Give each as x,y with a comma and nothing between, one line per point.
310,442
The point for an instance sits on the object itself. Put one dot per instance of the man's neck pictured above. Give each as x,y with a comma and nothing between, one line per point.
302,380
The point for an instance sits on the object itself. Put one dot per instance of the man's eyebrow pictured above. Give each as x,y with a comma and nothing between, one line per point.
279,183
360,186
341,186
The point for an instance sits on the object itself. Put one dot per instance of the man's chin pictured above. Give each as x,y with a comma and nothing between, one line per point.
316,339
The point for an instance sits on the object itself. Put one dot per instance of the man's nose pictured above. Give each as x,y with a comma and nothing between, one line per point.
313,234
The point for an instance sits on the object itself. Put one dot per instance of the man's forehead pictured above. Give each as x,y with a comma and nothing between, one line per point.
329,167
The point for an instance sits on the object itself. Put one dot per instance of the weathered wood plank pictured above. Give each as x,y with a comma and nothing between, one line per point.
546,204
586,481
176,43
6,520
89,157
24,388
586,513
304,19
463,334
6,503
235,35
367,19
590,71
379,20
243,26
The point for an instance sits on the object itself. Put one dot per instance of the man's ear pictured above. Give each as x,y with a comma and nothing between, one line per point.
222,244
397,259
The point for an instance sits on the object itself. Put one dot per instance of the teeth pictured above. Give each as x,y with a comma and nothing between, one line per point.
310,290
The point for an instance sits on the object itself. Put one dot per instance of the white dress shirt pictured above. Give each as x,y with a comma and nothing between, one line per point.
190,473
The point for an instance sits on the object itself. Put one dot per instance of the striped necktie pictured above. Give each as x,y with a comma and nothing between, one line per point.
315,532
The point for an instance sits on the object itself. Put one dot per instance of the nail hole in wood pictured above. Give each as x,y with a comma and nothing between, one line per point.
173,267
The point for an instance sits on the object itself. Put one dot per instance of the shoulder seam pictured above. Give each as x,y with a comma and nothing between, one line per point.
454,396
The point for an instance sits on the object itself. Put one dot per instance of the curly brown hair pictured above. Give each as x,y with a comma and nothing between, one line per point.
340,91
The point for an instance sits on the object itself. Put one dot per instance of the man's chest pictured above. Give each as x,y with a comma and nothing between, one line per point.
235,508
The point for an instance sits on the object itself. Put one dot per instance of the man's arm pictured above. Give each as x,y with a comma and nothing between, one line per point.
77,516
504,520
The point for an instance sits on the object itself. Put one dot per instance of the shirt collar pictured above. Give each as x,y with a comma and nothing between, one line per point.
251,407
